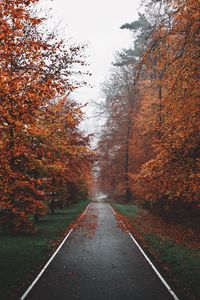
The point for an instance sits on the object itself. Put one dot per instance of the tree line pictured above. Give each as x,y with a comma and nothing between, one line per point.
45,159
148,150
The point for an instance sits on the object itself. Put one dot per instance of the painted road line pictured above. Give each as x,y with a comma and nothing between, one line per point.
112,209
52,257
149,261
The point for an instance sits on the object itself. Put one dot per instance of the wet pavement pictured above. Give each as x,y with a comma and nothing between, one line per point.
99,261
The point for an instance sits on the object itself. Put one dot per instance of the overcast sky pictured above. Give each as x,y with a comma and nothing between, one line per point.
97,23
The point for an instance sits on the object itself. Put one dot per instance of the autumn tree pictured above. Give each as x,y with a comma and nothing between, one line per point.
164,141
67,159
114,144
35,69
121,107
171,178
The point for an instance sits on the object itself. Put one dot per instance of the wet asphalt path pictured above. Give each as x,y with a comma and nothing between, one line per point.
99,261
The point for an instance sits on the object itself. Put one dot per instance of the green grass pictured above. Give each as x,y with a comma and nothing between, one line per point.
127,210
21,255
183,261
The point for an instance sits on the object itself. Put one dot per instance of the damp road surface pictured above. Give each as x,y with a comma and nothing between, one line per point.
99,261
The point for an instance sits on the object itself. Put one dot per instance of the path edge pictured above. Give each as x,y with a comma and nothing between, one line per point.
148,260
52,257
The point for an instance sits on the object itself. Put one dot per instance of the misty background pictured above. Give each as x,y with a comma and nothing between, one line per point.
95,23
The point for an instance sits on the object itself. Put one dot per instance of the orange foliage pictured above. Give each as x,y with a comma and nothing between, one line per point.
171,175
164,143
39,136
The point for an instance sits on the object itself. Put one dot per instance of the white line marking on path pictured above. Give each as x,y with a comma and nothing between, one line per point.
111,209
52,257
149,261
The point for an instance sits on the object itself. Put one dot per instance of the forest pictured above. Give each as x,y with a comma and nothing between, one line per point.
127,196
148,151
148,148
45,159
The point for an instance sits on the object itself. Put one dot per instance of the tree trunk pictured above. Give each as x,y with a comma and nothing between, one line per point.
36,218
52,205
128,194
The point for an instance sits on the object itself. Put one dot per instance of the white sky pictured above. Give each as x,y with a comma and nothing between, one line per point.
97,23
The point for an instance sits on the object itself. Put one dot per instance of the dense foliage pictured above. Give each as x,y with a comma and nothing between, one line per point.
43,154
163,132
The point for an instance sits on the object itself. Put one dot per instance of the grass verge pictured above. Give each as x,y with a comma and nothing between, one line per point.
182,263
22,256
